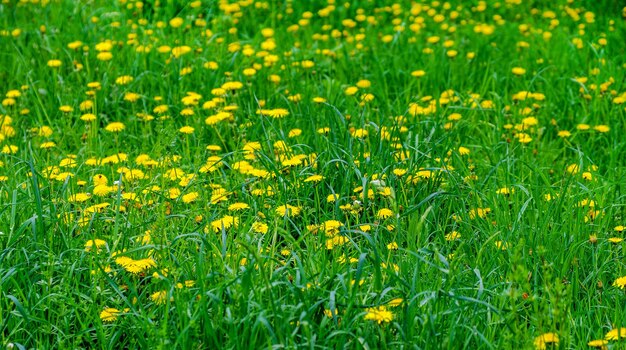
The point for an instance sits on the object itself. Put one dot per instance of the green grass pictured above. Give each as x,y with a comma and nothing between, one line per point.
473,214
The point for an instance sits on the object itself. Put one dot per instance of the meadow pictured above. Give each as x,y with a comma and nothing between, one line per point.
312,174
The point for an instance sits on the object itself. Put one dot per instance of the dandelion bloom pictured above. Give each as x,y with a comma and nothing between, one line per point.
598,343
294,133
124,80
238,206
88,117
351,90
260,227
249,72
9,149
524,138
620,282
336,241
54,63
364,83
159,297
278,113
379,314
314,178
109,314
104,56
98,243
332,227
190,197
288,210
102,190
135,266
115,127
186,130
518,71
395,302
583,127
452,236
224,223
601,128
49,144
176,22
547,338
616,334
79,197
384,213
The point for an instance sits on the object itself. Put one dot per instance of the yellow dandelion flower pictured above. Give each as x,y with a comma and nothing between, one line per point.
124,80
395,302
601,128
379,314
103,190
46,145
547,338
190,197
615,334
288,210
452,236
104,56
9,149
238,206
620,282
66,109
79,197
336,241
598,343
314,178
115,127
331,198
523,138
583,127
186,130
464,151
54,63
88,117
109,314
260,227
364,84
98,243
518,71
278,113
351,90
159,297
384,213
135,266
